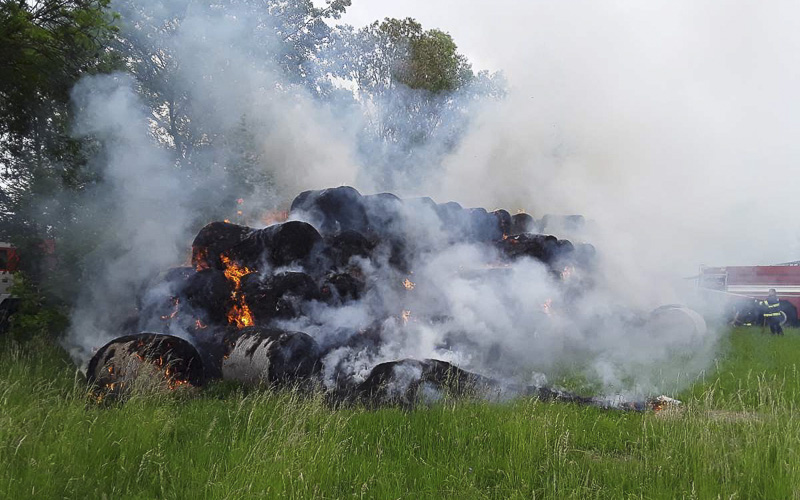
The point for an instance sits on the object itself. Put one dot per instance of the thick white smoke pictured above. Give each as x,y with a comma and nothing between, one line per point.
667,124
671,122
133,209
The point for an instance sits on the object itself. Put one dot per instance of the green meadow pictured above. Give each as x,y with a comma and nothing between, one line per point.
737,436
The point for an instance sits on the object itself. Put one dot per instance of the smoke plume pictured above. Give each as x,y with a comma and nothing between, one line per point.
667,125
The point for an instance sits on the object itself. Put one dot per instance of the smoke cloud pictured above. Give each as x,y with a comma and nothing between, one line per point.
668,125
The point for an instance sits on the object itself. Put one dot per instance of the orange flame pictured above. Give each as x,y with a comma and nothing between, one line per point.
200,258
275,217
406,316
176,302
547,307
408,284
567,273
199,324
239,314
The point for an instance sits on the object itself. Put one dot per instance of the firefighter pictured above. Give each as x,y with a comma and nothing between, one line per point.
773,312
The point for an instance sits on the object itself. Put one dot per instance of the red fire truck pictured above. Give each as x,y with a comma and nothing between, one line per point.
8,264
746,286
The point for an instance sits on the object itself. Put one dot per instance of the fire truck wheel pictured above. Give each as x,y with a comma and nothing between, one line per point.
788,313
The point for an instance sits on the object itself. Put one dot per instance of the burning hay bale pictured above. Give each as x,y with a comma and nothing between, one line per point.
213,240
333,210
278,296
208,294
340,288
544,248
328,297
278,245
270,356
159,361
504,221
343,246
522,223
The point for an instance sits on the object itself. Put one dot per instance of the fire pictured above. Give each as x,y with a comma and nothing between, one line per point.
199,324
405,316
233,271
240,201
175,383
408,284
567,273
200,258
547,307
175,302
274,217
239,314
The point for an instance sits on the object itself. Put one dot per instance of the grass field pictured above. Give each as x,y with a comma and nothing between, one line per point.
738,437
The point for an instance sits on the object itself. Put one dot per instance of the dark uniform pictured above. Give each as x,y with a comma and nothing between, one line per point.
773,313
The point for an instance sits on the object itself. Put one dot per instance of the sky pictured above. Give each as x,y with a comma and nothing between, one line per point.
465,28
676,120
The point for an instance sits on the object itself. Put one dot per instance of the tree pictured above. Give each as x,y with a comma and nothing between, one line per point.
45,47
272,34
416,89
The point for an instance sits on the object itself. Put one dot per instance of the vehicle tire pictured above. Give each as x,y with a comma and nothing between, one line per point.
789,313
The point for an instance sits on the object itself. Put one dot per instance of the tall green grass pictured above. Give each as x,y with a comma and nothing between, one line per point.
738,437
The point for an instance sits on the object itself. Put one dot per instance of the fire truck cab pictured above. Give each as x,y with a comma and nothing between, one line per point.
747,286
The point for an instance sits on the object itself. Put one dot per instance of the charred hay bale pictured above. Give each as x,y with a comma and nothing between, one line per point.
454,220
384,212
503,221
213,240
421,204
523,223
278,296
208,294
257,355
332,210
483,225
340,288
544,248
151,360
175,278
342,247
564,250
278,245
408,381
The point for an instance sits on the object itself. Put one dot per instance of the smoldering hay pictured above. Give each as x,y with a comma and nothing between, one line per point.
377,299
